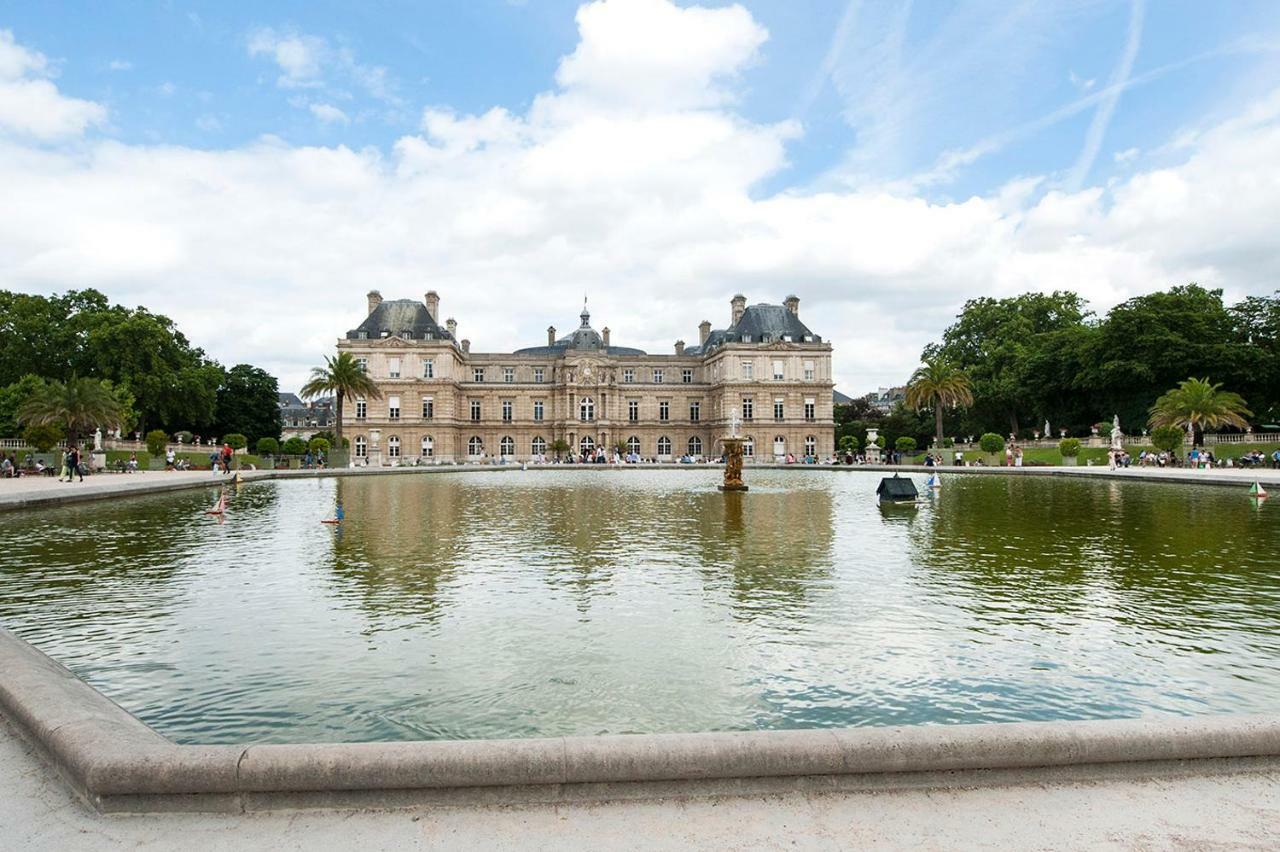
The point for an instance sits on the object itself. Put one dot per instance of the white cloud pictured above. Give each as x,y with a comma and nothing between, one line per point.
652,208
30,104
329,114
298,56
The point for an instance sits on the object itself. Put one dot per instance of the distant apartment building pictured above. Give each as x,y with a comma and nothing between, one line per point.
302,419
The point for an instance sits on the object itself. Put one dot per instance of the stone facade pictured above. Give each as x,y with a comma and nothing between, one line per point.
442,402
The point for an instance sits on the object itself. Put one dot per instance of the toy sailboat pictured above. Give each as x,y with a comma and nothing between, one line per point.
935,480
1256,490
338,516
220,507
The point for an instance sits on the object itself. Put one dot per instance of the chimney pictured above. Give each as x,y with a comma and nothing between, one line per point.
433,305
466,347
704,331
551,335
679,347
605,335
452,325
793,304
375,299
739,305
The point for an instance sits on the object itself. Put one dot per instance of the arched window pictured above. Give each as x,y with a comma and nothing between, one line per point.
475,446
633,445
749,447
539,447
695,446
587,409
664,446
428,447
507,446
393,447
587,445
779,445
362,447
810,445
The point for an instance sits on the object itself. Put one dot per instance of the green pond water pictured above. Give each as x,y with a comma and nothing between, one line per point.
543,603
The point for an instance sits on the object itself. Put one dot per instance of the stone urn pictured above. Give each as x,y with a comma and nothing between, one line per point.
733,464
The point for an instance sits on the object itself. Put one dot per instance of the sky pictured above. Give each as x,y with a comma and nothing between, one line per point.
253,170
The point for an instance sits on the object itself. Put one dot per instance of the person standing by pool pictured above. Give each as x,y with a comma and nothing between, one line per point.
226,458
73,463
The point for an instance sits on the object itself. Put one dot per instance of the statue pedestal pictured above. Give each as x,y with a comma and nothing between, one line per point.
733,465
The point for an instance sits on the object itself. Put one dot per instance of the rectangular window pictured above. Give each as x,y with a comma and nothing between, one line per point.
508,374
538,374
695,412
537,409
475,411
657,376
686,375
428,408
628,375
748,408
393,368
362,409
429,368
778,410
808,371
477,374
810,409
393,408
363,364
778,371
633,410
507,408
664,410
362,335
748,371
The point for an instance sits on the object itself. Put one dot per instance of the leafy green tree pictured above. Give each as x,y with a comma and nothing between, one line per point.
248,403
319,445
905,444
43,436
848,444
267,446
1069,447
295,446
332,439
11,399
1167,438
79,406
938,384
235,440
341,376
991,443
559,447
157,440
1199,405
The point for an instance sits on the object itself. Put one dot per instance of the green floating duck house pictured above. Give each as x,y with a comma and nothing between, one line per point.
895,488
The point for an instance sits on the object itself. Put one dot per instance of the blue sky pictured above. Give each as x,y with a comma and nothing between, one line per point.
969,122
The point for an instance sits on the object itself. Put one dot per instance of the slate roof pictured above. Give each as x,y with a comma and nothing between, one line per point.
400,316
290,400
897,488
760,323
839,398
584,338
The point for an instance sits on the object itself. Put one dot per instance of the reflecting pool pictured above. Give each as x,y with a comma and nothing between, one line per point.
549,602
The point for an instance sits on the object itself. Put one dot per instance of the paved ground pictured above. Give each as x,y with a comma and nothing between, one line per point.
29,490
1222,811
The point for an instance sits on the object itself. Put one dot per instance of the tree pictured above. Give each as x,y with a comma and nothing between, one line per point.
12,398
849,444
267,446
235,440
157,440
905,444
295,446
1167,438
341,376
559,447
79,406
937,385
43,436
1198,404
248,402
318,446
991,443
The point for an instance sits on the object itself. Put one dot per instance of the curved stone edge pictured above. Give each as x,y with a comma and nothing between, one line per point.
118,763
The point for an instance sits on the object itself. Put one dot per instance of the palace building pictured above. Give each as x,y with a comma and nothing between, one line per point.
442,402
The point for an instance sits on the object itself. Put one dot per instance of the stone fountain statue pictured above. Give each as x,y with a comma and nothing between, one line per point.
1116,434
733,456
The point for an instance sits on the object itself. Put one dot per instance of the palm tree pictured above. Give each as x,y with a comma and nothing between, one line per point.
79,406
1198,404
341,376
938,384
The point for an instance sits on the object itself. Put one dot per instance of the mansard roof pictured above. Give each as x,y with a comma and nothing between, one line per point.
400,316
583,339
760,323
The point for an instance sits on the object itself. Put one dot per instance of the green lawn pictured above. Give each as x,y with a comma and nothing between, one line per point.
1098,455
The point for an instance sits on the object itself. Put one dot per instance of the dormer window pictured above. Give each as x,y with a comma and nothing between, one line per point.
385,334
786,338
746,338
362,335
407,335
808,338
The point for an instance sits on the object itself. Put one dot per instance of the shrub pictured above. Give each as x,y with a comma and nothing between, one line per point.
948,443
880,441
184,437
848,444
43,436
295,446
267,446
1167,438
319,445
1069,447
905,444
157,440
991,443
235,440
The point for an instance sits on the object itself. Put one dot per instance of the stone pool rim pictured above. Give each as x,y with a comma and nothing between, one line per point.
116,763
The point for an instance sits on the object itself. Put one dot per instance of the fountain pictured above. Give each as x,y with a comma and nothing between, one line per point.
733,457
